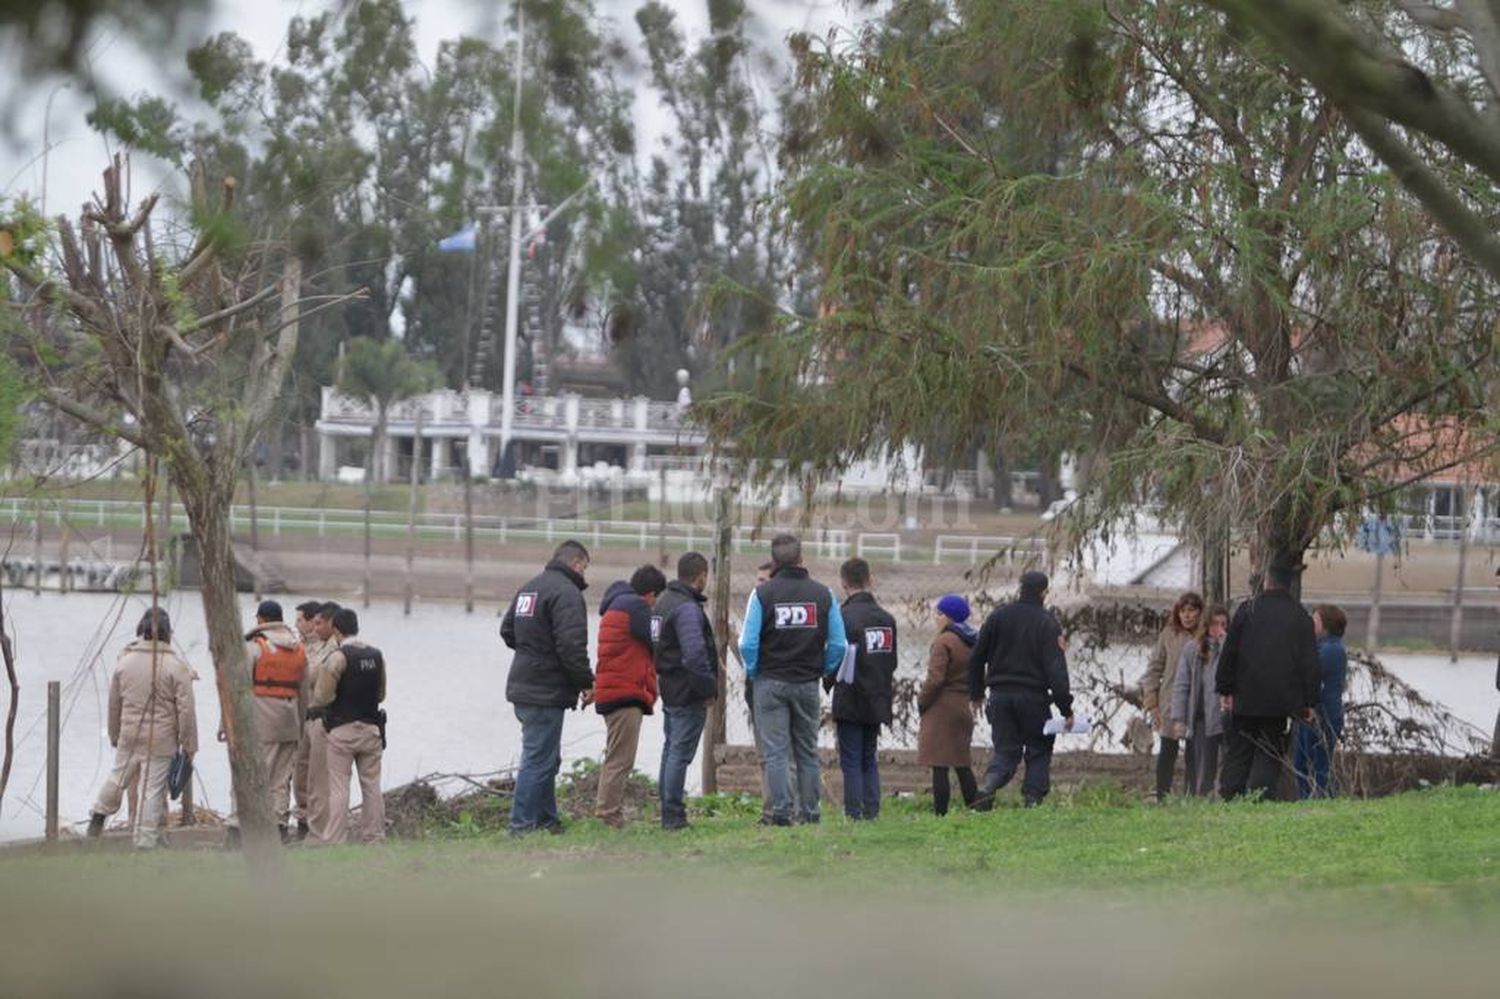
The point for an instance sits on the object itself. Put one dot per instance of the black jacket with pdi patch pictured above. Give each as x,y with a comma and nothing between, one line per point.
547,625
872,641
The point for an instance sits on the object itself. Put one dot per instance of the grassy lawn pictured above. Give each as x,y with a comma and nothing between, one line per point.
1442,846
1371,898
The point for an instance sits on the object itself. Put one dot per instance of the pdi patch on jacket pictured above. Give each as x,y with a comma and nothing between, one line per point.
525,605
796,616
879,640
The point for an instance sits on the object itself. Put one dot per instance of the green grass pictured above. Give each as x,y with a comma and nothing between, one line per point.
1432,850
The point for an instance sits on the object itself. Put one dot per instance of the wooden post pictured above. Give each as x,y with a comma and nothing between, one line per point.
1456,625
714,731
660,519
468,537
54,742
36,584
64,578
1372,626
411,511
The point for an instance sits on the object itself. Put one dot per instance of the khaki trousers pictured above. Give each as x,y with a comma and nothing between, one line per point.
317,777
300,776
128,765
622,735
356,743
277,758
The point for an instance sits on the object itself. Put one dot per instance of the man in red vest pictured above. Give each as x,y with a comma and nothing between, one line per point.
278,664
624,682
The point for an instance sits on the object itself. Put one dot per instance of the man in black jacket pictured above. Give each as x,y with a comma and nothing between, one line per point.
547,626
687,678
862,689
1267,674
1019,657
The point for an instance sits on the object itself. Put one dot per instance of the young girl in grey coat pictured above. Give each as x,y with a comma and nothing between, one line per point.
1195,704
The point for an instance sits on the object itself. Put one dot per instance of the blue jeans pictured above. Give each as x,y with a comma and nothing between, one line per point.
535,803
1016,721
683,727
1313,764
861,775
786,717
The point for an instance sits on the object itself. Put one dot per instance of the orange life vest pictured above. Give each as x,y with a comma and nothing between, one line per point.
278,670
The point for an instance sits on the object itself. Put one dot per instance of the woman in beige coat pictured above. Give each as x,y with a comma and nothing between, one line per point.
151,716
947,726
1183,627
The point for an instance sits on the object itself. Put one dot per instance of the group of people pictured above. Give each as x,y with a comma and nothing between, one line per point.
317,690
798,640
1263,689
1216,687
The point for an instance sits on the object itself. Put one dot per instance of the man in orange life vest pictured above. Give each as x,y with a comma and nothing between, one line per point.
278,664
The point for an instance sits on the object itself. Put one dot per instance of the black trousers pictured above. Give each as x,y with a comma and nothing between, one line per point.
1255,756
941,792
1016,720
1166,764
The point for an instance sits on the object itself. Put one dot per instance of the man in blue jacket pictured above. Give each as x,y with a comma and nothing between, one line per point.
794,635
687,678
1315,740
547,626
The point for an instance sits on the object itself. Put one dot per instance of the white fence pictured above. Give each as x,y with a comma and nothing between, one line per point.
973,550
274,521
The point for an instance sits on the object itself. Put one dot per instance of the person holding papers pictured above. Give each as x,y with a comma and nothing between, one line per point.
1020,658
862,689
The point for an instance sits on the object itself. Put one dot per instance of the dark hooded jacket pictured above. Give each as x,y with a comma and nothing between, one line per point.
1270,659
1018,649
547,626
687,658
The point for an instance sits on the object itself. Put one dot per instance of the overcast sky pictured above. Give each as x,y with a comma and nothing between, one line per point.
78,155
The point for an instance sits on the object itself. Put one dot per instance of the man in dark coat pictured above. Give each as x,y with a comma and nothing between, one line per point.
687,672
1267,675
862,689
547,626
1019,659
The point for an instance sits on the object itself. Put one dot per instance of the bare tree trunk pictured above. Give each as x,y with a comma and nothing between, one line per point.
1372,623
1003,492
15,696
254,519
713,732
209,519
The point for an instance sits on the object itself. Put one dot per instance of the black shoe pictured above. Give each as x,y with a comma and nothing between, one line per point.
777,820
302,830
232,838
555,827
675,825
1031,802
985,802
96,825
286,837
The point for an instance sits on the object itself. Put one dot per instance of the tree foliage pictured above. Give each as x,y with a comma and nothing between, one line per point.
170,336
1111,229
383,372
